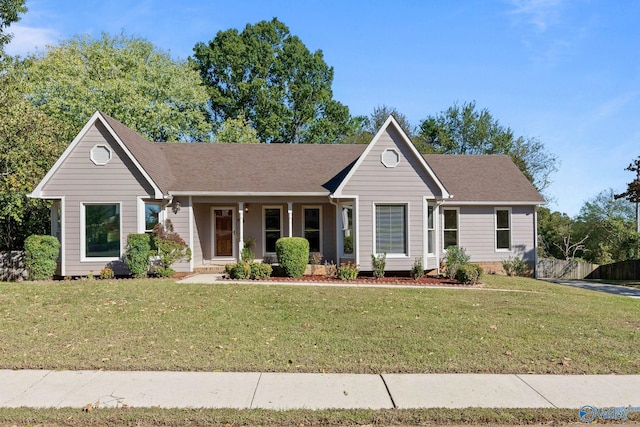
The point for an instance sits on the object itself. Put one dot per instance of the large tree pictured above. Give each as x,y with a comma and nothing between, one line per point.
30,142
10,11
463,129
125,77
270,77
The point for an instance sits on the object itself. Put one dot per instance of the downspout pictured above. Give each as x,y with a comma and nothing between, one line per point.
436,210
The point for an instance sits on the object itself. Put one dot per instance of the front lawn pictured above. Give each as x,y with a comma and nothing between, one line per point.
525,326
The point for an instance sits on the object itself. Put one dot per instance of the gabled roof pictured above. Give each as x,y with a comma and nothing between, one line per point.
301,169
483,178
391,121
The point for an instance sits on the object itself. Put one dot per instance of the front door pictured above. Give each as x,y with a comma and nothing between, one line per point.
223,232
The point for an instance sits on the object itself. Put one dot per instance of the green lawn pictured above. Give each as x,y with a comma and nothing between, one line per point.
525,326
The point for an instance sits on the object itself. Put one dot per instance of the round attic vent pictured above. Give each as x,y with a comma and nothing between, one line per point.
390,158
100,155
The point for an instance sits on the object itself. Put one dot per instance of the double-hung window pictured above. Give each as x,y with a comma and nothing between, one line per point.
151,216
391,229
272,228
431,231
312,228
101,228
503,229
450,229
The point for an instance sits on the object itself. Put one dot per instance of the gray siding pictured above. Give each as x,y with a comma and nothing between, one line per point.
80,180
408,183
477,233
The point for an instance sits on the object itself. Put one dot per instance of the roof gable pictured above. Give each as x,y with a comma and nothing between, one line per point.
404,140
97,116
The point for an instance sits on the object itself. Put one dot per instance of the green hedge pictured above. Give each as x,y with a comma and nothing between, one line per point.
469,274
40,255
137,256
293,254
248,270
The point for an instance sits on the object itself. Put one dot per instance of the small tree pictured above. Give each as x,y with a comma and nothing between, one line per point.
170,248
40,254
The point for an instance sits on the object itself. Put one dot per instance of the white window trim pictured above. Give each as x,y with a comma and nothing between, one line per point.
95,162
340,230
385,163
141,205
495,229
264,226
234,245
443,210
320,230
83,233
407,228
434,213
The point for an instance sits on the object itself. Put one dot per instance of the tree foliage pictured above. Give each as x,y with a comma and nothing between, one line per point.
30,142
381,113
462,129
236,130
270,77
125,77
632,193
10,11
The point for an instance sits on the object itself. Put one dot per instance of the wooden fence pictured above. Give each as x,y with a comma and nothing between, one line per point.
12,265
623,270
550,268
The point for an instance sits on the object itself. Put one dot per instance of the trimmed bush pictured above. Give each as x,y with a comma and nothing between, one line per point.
347,271
248,270
456,257
40,255
379,264
137,255
293,254
469,274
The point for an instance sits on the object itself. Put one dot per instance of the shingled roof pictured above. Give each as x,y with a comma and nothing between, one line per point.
214,168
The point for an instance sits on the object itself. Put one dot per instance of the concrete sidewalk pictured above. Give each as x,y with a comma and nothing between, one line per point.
40,389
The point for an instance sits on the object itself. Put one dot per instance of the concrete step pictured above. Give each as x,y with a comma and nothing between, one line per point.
209,269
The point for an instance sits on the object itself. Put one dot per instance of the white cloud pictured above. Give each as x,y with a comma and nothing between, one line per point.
540,13
27,39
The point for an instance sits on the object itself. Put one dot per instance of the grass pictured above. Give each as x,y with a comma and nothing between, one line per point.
206,417
628,283
526,326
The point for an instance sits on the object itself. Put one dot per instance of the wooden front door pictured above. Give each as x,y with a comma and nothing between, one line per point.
223,232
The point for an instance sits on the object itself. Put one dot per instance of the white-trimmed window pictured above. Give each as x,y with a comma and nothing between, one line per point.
272,226
503,229
312,227
347,229
152,212
450,228
391,229
100,231
431,230
100,155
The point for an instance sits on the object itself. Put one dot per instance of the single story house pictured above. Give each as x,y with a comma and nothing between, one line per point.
349,200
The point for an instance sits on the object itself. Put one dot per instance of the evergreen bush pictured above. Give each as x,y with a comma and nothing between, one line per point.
469,274
40,255
137,256
293,254
379,264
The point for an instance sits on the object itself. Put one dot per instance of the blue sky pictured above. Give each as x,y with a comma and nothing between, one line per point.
564,71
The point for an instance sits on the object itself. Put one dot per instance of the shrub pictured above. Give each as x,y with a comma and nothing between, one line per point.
248,270
40,255
469,274
330,269
514,266
137,255
455,258
240,270
417,271
347,271
107,273
171,248
292,253
378,263
247,250
260,270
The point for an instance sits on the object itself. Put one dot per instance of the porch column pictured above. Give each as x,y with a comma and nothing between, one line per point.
290,214
241,227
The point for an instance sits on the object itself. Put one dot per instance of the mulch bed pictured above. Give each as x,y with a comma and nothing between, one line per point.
369,280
